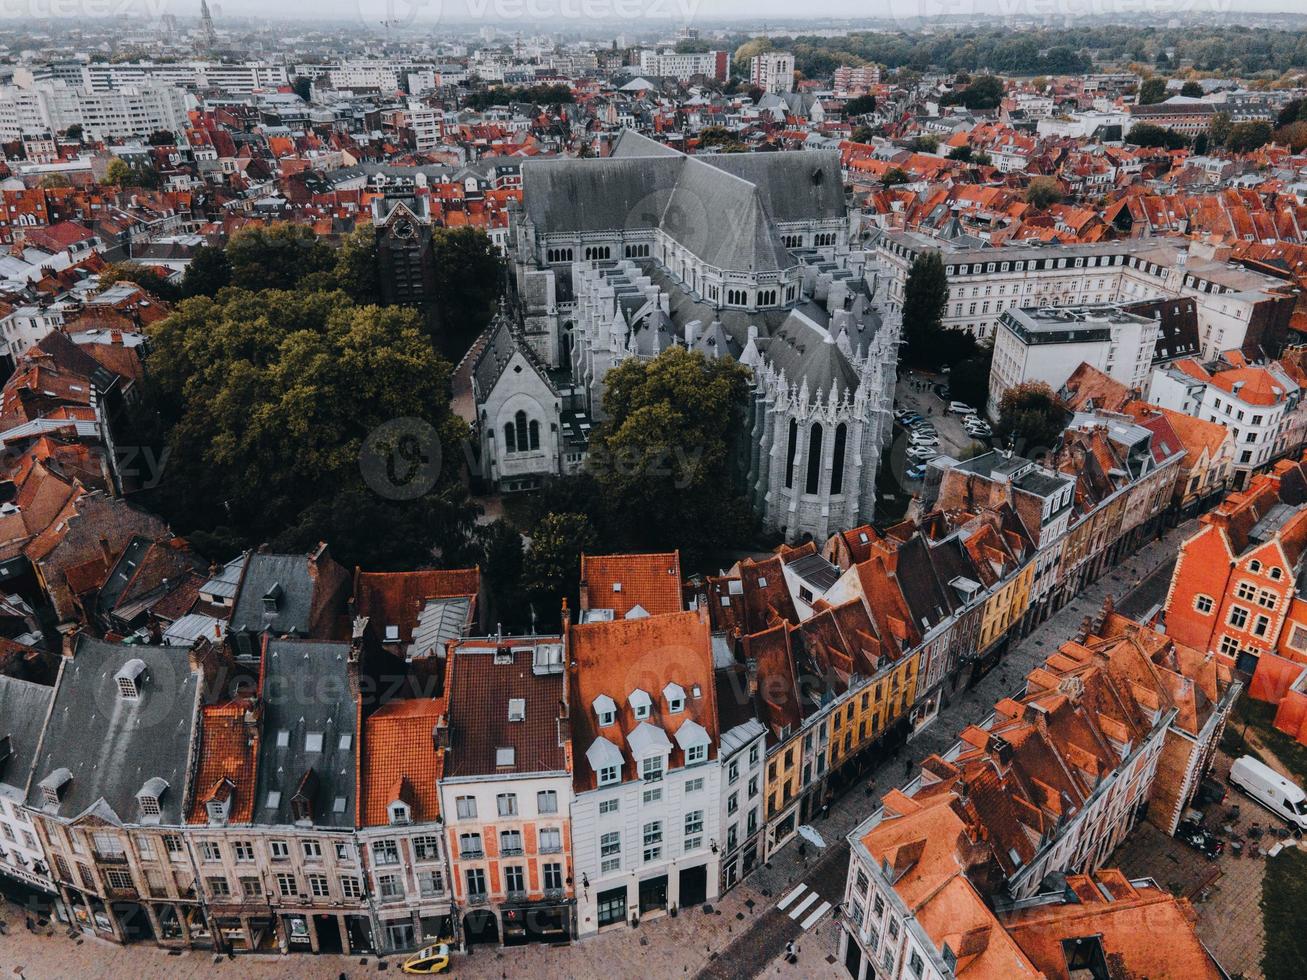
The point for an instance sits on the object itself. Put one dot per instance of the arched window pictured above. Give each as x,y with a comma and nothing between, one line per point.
535,434
510,438
837,470
519,422
789,453
814,459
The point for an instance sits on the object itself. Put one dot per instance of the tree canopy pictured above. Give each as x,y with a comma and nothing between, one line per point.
469,281
1031,418
664,460
1043,192
1152,90
276,256
269,403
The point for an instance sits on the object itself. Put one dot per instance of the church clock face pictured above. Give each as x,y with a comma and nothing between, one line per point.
403,228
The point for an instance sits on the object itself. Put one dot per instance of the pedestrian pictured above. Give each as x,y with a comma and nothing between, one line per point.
907,768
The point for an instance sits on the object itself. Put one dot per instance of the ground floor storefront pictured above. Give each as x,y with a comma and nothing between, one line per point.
172,924
666,891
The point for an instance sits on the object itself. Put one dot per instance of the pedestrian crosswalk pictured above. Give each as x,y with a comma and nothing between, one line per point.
804,906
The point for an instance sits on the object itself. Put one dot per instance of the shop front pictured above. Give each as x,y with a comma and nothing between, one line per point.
536,922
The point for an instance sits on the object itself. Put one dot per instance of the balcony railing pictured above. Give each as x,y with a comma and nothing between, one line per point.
477,898
515,896
476,855
511,851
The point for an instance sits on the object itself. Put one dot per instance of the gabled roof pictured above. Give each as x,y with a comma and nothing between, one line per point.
399,749
23,709
484,675
229,749
623,582
399,598
110,745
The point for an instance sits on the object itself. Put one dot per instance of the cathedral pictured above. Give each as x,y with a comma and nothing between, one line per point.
748,256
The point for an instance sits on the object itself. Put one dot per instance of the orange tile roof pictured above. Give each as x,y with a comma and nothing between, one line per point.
399,758
228,749
397,598
1146,931
622,582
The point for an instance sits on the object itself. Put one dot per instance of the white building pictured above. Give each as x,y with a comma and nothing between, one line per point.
52,107
683,67
1047,344
772,71
1261,405
1237,307
646,809
24,869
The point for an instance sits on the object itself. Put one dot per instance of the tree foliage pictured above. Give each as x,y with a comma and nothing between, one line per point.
859,105
145,276
1248,136
664,460
208,271
1043,192
1152,90
925,298
1031,418
969,380
533,94
551,569
264,401
1150,135
1191,90
469,282
985,92
276,256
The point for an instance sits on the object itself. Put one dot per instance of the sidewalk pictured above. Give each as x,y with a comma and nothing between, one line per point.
661,947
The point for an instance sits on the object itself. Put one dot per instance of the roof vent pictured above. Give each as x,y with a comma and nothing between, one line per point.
129,679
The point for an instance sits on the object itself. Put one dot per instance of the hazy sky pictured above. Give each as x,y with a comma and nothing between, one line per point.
637,13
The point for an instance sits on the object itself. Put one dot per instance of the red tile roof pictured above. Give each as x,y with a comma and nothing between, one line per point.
399,759
483,676
228,749
622,582
396,598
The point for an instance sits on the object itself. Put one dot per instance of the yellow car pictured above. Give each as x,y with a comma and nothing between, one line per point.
432,959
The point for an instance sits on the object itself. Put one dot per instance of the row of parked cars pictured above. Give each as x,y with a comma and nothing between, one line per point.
923,437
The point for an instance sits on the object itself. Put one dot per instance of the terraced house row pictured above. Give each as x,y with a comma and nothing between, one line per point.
314,760
990,862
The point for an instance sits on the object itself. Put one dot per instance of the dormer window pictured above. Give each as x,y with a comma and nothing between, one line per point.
53,784
392,634
617,586
130,678
609,775
399,813
216,809
651,768
605,709
517,709
674,695
149,797
640,703
272,599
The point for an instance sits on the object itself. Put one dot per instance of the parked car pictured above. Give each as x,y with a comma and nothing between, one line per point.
1196,836
1266,786
922,454
432,959
911,419
930,442
1209,791
982,431
961,408
917,472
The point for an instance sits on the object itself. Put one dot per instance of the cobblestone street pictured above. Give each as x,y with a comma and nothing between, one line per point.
743,935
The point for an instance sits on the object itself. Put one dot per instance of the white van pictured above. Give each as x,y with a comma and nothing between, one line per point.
1267,787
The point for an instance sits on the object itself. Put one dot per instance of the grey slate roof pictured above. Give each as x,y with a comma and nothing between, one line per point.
723,207
290,574
23,707
499,350
306,692
806,351
440,620
112,745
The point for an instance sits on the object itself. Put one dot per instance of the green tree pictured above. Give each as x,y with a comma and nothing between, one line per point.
1191,90
355,271
279,410
55,181
1152,90
895,176
147,277
962,152
1150,135
1219,128
859,105
1043,192
1293,136
302,87
925,144
469,281
74,132
862,134
1031,418
969,380
985,92
665,458
161,137
207,272
925,298
277,256
551,569
1248,136
500,556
